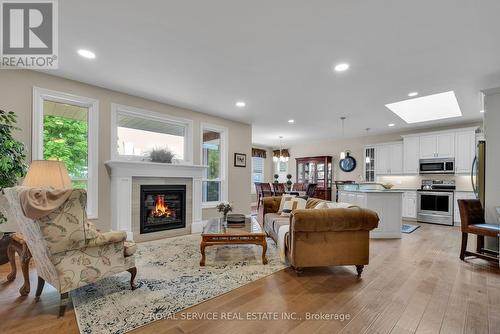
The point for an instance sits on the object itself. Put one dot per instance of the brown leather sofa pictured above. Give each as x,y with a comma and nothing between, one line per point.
322,237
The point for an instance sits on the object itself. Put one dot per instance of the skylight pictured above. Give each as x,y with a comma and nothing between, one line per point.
427,108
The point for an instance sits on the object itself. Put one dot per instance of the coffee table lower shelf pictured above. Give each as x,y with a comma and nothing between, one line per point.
211,240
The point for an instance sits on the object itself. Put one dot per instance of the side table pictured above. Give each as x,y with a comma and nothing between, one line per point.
18,245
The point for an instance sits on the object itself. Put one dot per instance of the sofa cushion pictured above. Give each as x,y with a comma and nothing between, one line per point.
272,223
285,198
312,202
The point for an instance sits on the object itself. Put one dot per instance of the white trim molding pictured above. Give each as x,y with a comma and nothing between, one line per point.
223,179
122,173
150,115
42,94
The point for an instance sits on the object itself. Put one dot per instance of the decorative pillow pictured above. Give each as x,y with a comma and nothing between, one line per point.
285,198
293,204
321,205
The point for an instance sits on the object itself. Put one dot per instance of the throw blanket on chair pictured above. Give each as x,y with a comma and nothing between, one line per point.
40,202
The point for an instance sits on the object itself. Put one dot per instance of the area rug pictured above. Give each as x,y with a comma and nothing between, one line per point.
408,228
170,280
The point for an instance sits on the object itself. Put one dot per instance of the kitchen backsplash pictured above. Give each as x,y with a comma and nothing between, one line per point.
462,182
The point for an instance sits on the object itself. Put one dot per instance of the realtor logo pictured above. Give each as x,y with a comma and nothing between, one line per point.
29,34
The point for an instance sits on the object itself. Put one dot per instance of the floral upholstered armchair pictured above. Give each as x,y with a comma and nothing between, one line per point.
68,250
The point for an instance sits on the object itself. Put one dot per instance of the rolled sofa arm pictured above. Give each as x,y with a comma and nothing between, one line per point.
271,204
334,220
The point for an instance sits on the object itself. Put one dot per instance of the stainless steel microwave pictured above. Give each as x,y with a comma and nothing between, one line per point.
437,166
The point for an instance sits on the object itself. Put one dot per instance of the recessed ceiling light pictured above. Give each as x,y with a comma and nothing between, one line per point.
240,104
412,94
291,121
481,111
341,67
427,108
86,54
391,124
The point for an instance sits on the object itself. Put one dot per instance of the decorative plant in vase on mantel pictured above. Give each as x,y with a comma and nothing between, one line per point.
12,168
225,207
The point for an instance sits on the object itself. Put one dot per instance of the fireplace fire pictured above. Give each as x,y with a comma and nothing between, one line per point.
163,207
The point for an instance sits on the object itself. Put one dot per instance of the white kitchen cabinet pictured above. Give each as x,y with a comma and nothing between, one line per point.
410,204
456,210
441,145
465,146
411,153
389,159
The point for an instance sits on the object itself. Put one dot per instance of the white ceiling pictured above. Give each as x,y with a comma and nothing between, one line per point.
277,56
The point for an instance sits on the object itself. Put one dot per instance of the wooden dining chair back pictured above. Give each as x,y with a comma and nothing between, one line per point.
279,189
311,189
267,191
258,192
298,187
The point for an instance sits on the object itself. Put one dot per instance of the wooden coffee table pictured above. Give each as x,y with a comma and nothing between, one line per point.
216,232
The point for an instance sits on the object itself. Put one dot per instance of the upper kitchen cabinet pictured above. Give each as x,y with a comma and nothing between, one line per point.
389,159
411,152
465,146
440,145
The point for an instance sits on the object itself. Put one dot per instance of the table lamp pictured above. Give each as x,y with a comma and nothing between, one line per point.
47,173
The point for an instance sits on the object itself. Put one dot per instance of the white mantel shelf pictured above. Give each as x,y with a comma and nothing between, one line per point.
122,172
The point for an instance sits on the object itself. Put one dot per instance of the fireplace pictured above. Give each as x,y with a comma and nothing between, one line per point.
163,207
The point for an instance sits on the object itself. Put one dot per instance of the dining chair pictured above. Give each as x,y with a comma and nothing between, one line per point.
311,189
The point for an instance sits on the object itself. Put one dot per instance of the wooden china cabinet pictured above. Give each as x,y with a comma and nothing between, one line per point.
316,170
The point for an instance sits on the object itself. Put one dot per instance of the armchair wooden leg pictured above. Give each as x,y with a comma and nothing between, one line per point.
64,302
464,245
39,288
133,272
359,269
480,243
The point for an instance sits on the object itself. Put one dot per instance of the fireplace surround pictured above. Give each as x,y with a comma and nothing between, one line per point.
162,207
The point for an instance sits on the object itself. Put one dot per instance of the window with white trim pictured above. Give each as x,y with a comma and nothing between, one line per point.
257,171
136,132
214,155
65,127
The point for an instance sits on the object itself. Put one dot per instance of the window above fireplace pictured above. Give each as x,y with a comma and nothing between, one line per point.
135,132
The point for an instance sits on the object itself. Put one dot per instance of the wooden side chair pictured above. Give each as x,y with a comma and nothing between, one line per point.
267,191
279,189
298,187
311,189
258,191
472,217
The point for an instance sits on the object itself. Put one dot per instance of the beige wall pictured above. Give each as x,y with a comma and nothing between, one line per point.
16,90
356,146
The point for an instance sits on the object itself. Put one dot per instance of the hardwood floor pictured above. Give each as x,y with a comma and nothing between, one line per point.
413,285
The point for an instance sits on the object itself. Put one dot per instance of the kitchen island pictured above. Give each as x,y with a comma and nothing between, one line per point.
386,203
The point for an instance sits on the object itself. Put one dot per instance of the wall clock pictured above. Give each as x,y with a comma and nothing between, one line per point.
348,164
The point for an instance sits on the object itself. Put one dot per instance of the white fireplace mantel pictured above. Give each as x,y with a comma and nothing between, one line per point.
122,173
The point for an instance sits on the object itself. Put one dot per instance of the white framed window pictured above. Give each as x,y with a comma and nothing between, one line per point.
135,132
214,155
66,127
281,168
257,172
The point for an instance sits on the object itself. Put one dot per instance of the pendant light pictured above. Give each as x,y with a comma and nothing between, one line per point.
342,154
367,159
281,158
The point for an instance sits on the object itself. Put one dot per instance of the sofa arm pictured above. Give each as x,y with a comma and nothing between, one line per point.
271,204
107,238
334,220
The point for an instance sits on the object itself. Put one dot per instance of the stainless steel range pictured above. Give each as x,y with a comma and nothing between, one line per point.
435,202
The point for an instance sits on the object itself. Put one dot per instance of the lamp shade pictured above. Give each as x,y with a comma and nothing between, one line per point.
47,173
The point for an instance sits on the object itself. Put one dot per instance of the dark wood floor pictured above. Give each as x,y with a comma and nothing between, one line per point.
413,285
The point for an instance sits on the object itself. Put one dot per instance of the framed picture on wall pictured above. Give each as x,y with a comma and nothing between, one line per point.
240,160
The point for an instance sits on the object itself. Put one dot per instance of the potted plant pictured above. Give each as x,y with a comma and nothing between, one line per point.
224,207
12,168
163,155
276,176
289,181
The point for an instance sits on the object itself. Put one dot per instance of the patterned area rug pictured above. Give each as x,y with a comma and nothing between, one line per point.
170,280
